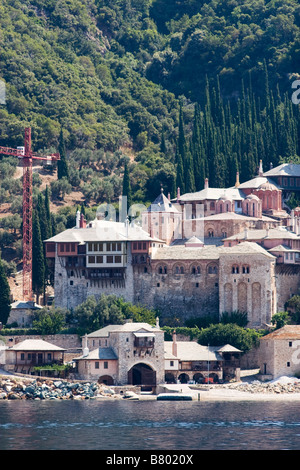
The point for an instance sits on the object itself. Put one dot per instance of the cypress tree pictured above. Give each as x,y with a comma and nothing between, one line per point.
62,165
127,186
163,143
42,217
180,180
189,182
38,260
4,296
48,212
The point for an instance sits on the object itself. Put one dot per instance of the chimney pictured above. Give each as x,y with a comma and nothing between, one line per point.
246,233
237,182
260,171
85,349
174,344
82,221
169,196
157,322
206,183
178,194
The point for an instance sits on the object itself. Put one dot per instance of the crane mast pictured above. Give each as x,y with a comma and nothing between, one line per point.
25,153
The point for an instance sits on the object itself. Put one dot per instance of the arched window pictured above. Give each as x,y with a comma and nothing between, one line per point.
196,270
165,269
179,270
235,269
246,269
212,269
160,270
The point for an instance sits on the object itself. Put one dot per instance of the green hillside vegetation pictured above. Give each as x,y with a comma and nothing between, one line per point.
172,91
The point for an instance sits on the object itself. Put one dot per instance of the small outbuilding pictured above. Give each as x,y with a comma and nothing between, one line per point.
22,312
279,353
30,353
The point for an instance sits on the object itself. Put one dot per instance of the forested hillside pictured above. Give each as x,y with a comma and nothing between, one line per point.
113,73
176,91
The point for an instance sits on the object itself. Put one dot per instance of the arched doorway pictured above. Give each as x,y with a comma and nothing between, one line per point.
169,378
106,380
183,378
199,378
141,374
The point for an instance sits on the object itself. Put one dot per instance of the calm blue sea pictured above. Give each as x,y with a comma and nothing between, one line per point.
148,425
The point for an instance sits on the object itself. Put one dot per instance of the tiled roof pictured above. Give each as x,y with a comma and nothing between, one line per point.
286,332
162,204
25,305
211,252
35,345
214,194
100,354
192,351
256,182
286,169
272,233
101,230
129,327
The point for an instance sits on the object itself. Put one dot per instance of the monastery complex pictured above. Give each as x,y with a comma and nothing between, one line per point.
213,251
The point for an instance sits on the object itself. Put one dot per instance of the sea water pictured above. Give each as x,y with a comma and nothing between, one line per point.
149,425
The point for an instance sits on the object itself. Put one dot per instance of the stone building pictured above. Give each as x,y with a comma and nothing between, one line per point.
22,312
97,259
188,361
185,260
184,282
131,354
279,353
30,353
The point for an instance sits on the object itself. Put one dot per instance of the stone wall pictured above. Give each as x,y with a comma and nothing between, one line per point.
123,345
279,357
178,296
287,282
63,341
71,291
247,284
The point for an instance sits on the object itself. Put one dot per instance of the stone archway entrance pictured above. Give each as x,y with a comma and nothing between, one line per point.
170,378
106,380
183,378
142,374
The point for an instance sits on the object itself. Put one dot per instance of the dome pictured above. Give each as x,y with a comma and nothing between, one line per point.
268,187
252,196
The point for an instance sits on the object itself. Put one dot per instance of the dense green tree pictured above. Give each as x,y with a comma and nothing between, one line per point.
5,306
49,321
62,164
127,186
38,259
237,336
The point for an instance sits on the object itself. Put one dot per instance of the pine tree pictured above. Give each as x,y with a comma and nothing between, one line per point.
38,260
4,296
62,165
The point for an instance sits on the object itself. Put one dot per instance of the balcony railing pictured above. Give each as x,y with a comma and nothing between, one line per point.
143,344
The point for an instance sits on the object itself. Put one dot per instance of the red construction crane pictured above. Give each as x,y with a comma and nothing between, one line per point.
25,153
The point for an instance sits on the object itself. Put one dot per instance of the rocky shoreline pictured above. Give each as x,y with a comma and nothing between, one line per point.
19,388
28,389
